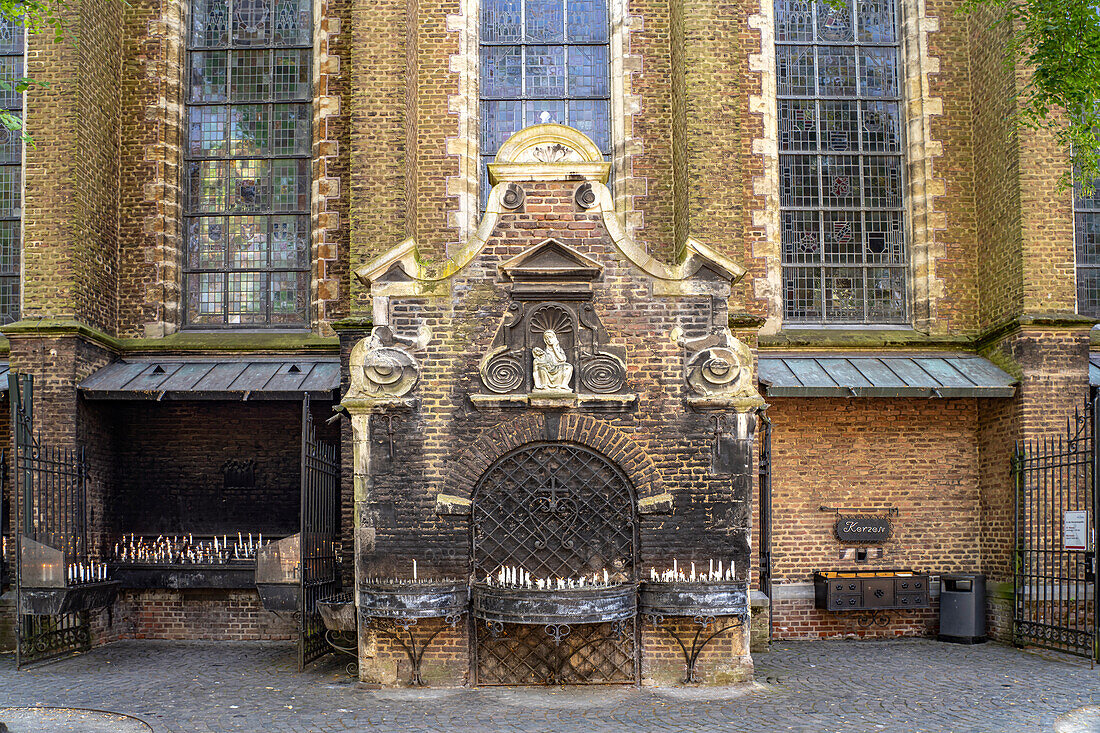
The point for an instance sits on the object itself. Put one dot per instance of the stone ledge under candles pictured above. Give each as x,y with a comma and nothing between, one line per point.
579,605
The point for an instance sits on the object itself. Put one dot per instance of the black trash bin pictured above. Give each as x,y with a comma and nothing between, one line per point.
962,608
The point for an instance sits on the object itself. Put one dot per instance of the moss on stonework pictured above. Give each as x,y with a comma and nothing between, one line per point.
862,339
228,341
234,342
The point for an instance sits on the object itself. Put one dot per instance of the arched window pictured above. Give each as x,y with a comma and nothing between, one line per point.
247,199
841,162
543,61
11,169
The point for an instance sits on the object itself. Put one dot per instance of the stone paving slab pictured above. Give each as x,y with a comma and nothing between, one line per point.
68,720
914,685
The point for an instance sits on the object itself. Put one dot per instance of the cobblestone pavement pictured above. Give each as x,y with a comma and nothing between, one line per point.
899,685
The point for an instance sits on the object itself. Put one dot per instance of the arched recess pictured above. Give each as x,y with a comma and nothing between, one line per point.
600,435
555,509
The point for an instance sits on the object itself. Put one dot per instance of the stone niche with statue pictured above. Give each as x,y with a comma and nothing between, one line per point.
553,446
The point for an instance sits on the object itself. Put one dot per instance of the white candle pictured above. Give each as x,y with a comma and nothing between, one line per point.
692,572
414,570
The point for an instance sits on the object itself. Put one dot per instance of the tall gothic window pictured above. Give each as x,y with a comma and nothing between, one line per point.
841,162
543,61
248,163
11,169
1086,220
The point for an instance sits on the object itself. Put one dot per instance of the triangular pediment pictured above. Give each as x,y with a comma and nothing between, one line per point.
551,261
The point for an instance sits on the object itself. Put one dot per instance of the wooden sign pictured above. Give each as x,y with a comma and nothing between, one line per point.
863,528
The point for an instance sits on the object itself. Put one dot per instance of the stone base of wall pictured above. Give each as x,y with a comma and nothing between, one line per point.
760,627
725,660
447,660
7,622
445,663
798,619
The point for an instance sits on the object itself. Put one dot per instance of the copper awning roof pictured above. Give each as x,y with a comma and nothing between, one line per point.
861,374
278,378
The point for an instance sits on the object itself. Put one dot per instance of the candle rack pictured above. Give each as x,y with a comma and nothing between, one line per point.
704,602
395,607
50,586
224,561
279,574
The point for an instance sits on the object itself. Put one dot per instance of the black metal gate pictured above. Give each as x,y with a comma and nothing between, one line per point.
51,508
765,477
1056,540
319,513
557,510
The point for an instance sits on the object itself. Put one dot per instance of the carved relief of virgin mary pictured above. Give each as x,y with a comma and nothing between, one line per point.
550,368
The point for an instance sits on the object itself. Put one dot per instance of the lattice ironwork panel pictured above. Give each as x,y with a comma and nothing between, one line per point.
557,510
584,654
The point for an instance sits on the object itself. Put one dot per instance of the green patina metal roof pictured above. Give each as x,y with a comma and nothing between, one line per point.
861,374
280,378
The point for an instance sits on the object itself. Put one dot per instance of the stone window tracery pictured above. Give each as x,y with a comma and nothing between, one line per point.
11,171
543,61
247,172
841,162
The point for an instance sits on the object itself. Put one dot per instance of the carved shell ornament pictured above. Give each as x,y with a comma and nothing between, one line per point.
717,364
379,370
715,370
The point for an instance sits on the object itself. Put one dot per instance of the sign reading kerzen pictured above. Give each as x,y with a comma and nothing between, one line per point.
858,528
1075,530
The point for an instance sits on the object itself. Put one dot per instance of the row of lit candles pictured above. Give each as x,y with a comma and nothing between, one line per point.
86,572
186,550
716,572
513,577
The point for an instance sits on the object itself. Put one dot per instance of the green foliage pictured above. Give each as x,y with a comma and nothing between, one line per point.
37,16
1059,41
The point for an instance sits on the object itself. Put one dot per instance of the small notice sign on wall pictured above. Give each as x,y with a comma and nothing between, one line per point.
862,528
1075,530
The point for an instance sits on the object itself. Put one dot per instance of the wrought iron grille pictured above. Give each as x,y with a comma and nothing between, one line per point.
543,61
320,509
1055,586
1086,221
248,163
841,162
556,510
51,507
518,654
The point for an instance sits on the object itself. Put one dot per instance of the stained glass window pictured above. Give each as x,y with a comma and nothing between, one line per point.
11,171
248,164
1086,220
543,61
841,162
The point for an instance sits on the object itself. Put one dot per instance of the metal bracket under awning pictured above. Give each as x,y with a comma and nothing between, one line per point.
862,374
222,379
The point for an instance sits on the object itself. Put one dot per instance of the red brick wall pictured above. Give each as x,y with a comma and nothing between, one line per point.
920,456
221,615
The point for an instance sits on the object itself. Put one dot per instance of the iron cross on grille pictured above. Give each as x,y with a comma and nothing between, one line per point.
558,498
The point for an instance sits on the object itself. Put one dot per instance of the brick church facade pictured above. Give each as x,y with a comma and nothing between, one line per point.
260,187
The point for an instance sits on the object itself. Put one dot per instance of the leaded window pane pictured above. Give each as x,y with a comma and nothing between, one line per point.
1086,214
543,61
248,171
11,171
545,21
840,162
